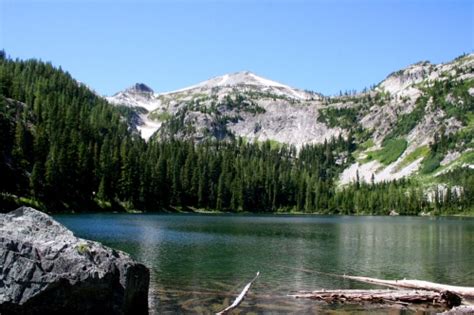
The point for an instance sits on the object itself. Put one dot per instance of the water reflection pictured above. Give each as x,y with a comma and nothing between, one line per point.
198,262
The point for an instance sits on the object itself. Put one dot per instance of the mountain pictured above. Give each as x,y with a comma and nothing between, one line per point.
395,122
248,80
65,148
239,104
138,95
418,120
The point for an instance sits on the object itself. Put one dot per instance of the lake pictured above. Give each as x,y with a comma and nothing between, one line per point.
201,262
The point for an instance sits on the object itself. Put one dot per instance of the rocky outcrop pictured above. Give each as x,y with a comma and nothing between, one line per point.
140,88
45,269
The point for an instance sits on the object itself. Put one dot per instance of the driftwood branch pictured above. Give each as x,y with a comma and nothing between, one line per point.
403,297
467,292
239,299
460,310
407,292
417,284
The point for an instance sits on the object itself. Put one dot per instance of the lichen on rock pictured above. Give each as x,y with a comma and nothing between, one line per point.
45,269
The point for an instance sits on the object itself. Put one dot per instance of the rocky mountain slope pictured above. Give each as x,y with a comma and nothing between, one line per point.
239,104
396,123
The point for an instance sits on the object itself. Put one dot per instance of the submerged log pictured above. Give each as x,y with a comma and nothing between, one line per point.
405,297
417,284
239,299
460,310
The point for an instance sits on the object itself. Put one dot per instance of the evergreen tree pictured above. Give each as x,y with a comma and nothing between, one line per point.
69,149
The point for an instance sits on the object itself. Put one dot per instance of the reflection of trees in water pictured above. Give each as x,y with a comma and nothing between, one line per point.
200,263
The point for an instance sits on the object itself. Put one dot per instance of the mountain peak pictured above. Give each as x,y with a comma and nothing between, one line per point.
140,88
241,78
138,95
245,79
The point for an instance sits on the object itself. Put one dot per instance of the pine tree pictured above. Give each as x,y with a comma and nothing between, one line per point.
19,152
36,180
220,193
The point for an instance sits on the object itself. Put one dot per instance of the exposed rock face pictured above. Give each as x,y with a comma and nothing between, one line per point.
140,88
280,112
245,105
139,95
45,269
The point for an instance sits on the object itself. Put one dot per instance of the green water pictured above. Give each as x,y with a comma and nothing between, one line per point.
199,263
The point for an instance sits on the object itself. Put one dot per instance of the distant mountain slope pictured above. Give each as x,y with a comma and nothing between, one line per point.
421,115
64,148
395,122
240,104
247,79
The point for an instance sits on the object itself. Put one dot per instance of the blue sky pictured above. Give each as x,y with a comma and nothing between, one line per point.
324,46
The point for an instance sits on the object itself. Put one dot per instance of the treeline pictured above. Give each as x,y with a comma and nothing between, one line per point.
67,148
407,198
54,135
64,148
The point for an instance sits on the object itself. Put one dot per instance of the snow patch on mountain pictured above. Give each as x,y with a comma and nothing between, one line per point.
148,127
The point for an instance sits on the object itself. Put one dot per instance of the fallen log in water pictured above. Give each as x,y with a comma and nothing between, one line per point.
460,310
239,299
405,297
417,284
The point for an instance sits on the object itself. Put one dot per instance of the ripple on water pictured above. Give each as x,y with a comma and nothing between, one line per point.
201,262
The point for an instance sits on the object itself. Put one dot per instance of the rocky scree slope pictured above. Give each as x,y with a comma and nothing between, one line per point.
395,123
419,120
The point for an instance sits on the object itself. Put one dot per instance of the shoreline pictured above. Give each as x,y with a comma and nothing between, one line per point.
258,213
16,202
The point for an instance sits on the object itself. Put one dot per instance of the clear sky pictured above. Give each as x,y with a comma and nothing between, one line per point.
324,46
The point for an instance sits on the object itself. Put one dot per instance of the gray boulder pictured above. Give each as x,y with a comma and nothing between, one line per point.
45,269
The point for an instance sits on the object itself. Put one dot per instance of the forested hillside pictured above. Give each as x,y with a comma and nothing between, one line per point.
63,148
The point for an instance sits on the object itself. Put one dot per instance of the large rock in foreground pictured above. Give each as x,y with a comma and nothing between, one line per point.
45,269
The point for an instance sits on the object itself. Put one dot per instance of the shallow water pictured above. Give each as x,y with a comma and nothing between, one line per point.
199,263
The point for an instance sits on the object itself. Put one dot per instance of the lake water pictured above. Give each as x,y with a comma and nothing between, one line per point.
200,263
